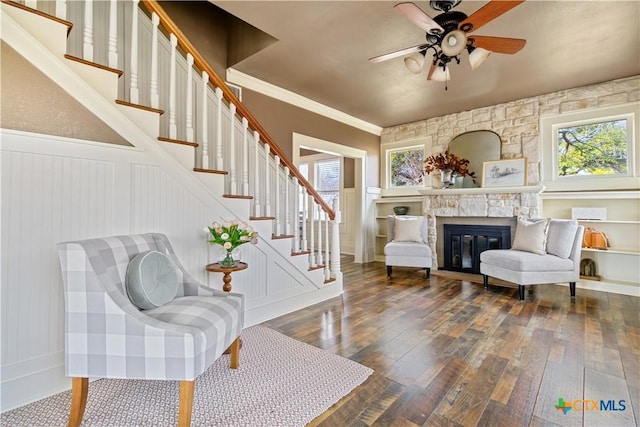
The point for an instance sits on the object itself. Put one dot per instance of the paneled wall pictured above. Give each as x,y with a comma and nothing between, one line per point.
57,189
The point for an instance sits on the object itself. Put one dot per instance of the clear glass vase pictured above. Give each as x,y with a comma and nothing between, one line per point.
230,258
228,261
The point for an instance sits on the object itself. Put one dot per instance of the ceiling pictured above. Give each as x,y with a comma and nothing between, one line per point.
323,49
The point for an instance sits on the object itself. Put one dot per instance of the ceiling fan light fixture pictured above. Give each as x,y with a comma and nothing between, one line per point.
477,55
414,63
440,74
453,43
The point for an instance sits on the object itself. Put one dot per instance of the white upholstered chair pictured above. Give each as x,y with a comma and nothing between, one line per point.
107,336
407,244
553,257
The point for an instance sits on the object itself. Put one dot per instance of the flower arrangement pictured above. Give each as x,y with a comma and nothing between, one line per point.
230,235
448,161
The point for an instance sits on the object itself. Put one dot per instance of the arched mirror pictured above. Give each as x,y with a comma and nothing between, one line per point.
477,146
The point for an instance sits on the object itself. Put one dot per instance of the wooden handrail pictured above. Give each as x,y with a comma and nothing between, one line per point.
201,63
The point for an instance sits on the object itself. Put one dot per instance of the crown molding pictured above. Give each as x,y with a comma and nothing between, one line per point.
244,80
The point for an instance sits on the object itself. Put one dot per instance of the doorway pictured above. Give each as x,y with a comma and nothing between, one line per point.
353,207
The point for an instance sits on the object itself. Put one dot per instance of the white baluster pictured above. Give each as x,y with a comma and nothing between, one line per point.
320,254
87,34
267,173
33,4
233,185
287,206
203,120
256,180
277,202
113,34
296,219
173,128
305,215
327,272
61,9
335,239
189,109
154,97
133,70
219,128
312,255
245,157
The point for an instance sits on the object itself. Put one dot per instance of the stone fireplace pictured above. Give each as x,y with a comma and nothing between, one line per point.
476,206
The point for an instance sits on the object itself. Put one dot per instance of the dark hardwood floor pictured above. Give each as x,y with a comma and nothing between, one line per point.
446,352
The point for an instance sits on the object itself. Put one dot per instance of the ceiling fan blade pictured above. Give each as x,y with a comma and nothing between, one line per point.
416,15
487,13
398,53
498,44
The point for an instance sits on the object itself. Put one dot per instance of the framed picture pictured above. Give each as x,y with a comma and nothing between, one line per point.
504,173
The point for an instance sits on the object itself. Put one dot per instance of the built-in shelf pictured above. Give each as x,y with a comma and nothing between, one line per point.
606,221
597,195
612,251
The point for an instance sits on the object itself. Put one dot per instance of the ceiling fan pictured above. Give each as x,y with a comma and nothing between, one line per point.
449,34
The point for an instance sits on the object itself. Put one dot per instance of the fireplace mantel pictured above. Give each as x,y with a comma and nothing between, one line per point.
484,190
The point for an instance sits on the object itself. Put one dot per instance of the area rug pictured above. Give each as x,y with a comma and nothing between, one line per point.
280,382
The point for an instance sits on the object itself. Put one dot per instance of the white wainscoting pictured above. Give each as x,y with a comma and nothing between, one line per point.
57,189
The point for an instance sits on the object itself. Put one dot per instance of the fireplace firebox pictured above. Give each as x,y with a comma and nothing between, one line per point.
464,243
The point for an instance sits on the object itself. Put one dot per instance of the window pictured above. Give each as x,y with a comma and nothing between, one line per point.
327,179
591,150
406,166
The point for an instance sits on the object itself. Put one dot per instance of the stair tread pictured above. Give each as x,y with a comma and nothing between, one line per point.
93,64
300,253
210,171
64,22
139,106
262,218
282,236
177,141
237,196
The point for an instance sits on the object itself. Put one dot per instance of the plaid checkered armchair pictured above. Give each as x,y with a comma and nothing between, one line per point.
107,336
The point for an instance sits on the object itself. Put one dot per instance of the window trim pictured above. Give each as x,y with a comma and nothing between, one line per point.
386,150
549,149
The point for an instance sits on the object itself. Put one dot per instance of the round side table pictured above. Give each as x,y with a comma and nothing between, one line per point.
226,279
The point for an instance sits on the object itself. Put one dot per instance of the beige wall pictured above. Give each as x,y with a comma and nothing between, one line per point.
281,120
206,27
517,123
32,102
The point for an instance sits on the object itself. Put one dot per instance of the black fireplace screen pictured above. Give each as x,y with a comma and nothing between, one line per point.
463,244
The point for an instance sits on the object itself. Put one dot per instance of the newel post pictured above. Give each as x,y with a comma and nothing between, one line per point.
335,239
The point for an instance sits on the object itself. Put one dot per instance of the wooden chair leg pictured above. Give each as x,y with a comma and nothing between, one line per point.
388,271
186,403
485,281
79,390
521,292
235,354
428,272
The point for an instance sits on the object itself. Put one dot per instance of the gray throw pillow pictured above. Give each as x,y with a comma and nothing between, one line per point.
151,280
531,236
560,237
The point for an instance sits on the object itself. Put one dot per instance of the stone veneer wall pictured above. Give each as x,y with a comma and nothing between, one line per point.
516,122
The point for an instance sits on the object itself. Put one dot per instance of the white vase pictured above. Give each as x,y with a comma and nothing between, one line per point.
436,179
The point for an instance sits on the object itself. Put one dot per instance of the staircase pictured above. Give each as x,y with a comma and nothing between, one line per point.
128,64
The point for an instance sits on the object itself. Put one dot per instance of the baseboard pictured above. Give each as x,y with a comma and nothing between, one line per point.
262,314
31,380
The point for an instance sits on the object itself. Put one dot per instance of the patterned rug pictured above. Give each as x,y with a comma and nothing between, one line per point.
280,382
